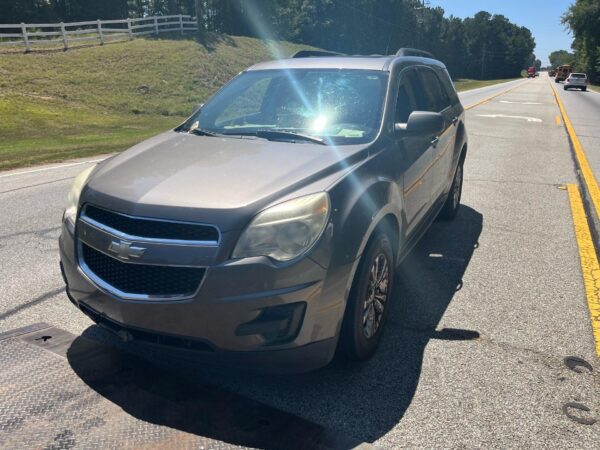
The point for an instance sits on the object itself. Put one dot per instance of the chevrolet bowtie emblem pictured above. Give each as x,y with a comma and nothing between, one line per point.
124,250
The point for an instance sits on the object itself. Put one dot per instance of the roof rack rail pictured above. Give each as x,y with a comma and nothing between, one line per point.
413,52
313,53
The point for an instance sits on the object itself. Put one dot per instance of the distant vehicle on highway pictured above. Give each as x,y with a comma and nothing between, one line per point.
531,72
562,72
576,81
265,231
552,72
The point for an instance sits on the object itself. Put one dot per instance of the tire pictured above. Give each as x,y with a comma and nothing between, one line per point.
584,89
363,321
452,204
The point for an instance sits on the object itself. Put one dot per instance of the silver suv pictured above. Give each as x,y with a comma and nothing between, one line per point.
576,81
266,230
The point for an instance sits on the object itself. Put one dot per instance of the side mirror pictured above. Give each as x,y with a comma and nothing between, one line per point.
197,108
421,122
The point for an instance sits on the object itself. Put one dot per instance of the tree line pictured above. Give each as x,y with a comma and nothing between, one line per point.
561,58
484,46
583,19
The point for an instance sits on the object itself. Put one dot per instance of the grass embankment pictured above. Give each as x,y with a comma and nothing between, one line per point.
465,85
60,105
594,87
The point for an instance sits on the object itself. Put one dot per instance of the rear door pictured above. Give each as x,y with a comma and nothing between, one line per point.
442,145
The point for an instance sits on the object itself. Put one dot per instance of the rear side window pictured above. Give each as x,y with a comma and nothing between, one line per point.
437,99
448,86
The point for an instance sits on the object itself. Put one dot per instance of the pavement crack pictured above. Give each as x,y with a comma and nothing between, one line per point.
522,233
35,185
42,298
43,233
532,183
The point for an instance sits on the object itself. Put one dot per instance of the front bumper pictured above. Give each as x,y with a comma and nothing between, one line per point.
222,322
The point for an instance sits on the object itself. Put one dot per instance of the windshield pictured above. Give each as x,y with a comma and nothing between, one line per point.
340,106
577,75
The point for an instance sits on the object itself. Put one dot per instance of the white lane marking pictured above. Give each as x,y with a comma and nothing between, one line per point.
25,172
495,116
499,85
521,103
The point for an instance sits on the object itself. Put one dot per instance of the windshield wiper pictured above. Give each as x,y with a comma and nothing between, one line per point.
289,135
204,132
278,135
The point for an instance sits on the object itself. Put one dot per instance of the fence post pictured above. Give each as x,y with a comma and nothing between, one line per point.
181,23
100,34
129,30
25,38
155,26
64,36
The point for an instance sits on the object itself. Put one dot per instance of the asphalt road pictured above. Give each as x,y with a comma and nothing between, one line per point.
486,309
583,109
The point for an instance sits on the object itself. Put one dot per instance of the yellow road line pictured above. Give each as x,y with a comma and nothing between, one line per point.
558,121
491,97
584,165
590,268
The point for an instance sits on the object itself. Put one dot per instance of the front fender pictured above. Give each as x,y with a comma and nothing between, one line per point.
360,214
356,214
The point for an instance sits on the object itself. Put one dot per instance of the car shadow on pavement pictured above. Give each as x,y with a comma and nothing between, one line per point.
363,401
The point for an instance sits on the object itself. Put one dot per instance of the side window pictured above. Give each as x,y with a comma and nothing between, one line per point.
405,102
437,99
449,87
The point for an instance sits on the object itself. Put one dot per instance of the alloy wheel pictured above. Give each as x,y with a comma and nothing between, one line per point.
377,295
457,188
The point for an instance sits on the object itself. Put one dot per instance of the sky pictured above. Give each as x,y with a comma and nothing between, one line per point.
542,17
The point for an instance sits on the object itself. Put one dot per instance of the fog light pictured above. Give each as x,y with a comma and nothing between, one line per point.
276,324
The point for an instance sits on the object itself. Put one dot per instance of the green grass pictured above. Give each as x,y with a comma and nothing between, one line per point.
61,105
465,85
594,87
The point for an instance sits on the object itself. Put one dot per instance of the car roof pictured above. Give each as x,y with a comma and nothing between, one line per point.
375,62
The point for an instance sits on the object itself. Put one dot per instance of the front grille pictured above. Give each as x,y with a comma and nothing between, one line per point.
142,279
152,228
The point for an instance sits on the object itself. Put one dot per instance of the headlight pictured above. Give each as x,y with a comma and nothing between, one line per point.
73,197
285,231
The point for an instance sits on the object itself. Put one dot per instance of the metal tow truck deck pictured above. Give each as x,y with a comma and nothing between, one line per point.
64,391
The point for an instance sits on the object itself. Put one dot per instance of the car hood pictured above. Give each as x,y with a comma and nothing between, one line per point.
189,177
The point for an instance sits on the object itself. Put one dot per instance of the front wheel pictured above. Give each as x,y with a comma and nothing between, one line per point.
369,300
450,208
584,89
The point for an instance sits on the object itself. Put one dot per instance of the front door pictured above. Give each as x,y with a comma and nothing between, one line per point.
416,182
443,143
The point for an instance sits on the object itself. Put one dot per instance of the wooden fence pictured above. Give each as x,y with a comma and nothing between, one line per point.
43,34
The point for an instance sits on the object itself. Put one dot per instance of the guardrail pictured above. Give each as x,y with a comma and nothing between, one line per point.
43,34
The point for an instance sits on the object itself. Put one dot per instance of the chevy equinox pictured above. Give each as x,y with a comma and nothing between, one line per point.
266,230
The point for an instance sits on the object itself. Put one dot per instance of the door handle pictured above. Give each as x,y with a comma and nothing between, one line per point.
455,121
435,141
